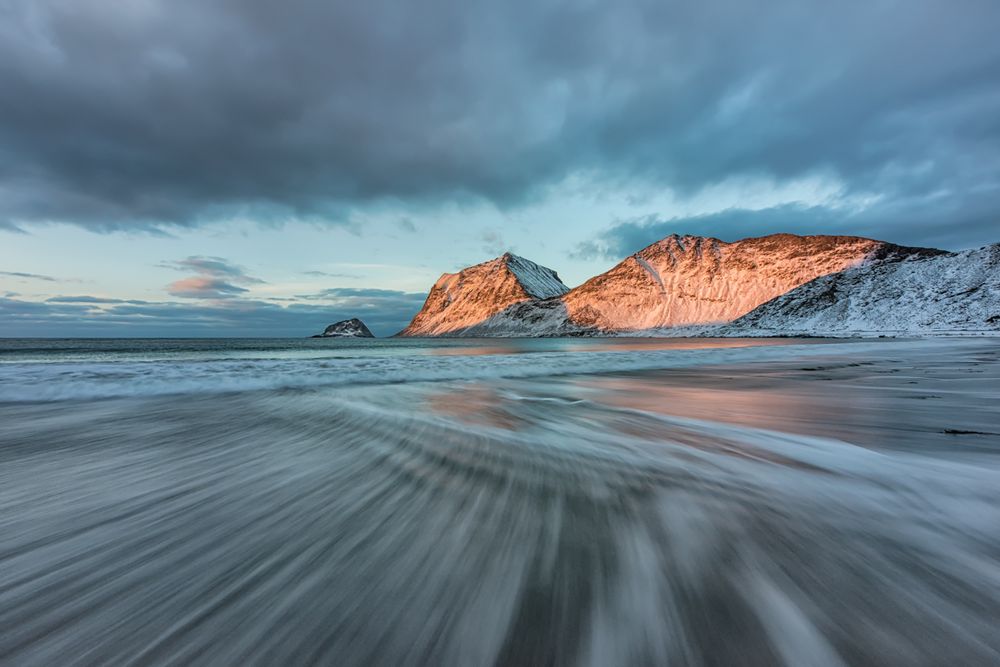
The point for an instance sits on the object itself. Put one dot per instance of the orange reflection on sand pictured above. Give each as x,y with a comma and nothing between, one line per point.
532,345
757,401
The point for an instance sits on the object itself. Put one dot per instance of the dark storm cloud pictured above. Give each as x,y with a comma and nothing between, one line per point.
182,112
94,316
933,220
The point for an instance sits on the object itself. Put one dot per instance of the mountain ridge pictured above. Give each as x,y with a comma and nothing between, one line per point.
687,280
779,284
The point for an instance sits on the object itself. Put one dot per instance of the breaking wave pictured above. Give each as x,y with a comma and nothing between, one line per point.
57,380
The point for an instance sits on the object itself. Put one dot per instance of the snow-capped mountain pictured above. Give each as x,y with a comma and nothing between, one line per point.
352,328
473,295
945,293
682,281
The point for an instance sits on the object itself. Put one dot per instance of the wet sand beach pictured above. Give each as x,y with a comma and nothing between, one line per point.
819,504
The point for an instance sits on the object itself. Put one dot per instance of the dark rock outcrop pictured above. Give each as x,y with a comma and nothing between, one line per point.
352,328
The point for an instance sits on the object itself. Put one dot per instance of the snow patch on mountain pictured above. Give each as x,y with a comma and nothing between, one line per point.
546,317
537,280
954,292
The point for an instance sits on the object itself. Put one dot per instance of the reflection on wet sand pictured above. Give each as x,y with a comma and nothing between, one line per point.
883,402
871,400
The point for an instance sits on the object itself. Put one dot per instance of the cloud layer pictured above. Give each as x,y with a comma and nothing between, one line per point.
929,221
68,316
180,112
27,276
215,305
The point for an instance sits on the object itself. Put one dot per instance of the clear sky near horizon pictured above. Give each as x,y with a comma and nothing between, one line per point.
183,168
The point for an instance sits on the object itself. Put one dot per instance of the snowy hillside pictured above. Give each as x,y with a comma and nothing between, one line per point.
545,317
691,281
538,281
946,293
471,296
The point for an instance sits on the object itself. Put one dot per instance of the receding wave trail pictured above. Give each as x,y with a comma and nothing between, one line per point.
496,522
116,378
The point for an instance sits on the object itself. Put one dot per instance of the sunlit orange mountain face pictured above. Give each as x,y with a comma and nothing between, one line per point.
676,282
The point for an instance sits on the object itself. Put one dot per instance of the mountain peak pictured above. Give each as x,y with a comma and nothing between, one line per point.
476,293
681,243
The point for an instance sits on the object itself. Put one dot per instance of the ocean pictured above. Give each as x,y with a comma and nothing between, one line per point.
467,502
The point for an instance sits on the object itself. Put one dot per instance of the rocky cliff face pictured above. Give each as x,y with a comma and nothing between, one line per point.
473,295
944,293
352,328
690,280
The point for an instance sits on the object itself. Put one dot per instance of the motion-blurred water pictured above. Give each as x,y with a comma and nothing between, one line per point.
499,502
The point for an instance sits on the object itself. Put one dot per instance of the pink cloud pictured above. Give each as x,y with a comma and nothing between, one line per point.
204,287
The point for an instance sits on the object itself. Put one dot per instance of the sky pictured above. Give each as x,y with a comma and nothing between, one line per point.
255,168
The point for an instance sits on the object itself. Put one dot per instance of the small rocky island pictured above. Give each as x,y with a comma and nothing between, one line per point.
352,328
